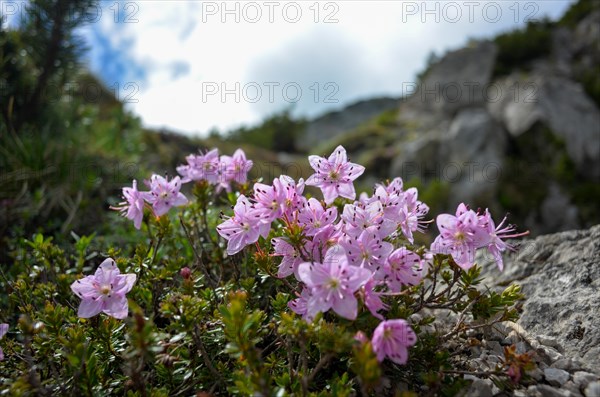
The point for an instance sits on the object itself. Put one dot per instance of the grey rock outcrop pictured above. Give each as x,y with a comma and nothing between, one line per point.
457,81
336,123
560,277
558,103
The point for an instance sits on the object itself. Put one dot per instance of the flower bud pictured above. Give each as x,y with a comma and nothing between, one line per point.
186,273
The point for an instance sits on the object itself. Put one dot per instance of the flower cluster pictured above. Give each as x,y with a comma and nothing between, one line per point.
215,169
462,234
361,250
165,194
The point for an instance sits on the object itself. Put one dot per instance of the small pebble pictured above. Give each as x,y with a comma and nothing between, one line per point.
592,390
572,388
536,374
496,347
556,377
582,378
549,391
479,388
552,354
547,340
567,364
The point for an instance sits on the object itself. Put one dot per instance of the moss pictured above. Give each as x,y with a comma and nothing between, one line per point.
389,118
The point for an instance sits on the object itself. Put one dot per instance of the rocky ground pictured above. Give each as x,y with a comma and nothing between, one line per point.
560,277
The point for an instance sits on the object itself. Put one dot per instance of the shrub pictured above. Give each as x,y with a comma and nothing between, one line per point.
301,296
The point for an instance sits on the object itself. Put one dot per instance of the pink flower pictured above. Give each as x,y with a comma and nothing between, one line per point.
412,211
460,236
494,242
164,194
391,339
133,206
372,300
300,304
313,217
367,250
291,257
269,201
322,241
104,291
358,218
403,267
237,166
333,284
335,175
201,167
244,227
3,331
290,194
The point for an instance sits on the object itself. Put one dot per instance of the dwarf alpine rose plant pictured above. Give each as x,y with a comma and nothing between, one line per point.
255,287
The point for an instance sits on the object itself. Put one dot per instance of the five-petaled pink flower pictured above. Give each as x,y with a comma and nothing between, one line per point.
313,217
391,339
494,242
244,227
201,167
333,284
237,166
133,206
460,236
104,291
403,267
291,257
164,194
334,175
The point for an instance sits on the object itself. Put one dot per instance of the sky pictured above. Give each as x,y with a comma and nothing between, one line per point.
192,66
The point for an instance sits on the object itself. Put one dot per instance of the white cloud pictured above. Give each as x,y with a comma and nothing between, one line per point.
371,50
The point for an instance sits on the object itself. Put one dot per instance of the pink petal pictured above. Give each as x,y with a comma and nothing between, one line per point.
235,244
125,283
84,288
314,180
306,272
318,163
357,170
346,307
3,330
116,306
89,307
338,156
180,199
160,208
347,190
446,222
329,193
